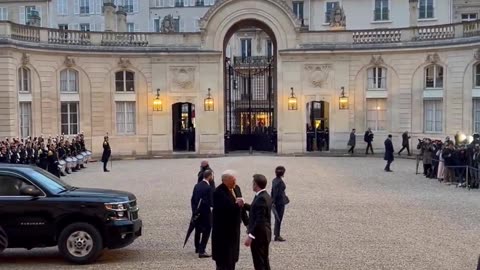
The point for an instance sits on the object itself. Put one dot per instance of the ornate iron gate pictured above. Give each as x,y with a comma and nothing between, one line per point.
250,102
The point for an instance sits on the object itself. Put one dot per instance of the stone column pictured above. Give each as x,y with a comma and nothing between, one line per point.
121,20
413,12
109,13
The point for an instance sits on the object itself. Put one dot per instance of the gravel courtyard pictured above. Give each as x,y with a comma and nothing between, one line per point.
345,213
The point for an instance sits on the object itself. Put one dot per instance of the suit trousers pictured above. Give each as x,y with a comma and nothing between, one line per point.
202,234
369,146
278,223
225,266
260,255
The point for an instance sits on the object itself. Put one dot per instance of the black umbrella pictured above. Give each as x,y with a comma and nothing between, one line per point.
193,222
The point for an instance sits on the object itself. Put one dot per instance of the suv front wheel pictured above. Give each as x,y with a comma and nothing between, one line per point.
80,243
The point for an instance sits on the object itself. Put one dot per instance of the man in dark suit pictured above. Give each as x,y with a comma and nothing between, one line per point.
259,228
279,200
388,152
405,143
202,202
228,213
204,166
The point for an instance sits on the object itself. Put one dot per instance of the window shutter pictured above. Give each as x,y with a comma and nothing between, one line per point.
21,15
192,2
98,6
186,3
76,7
60,7
102,27
39,9
135,6
91,7
172,3
92,27
152,25
182,25
75,26
136,28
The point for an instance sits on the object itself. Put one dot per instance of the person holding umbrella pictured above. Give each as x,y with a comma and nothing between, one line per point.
201,204
279,200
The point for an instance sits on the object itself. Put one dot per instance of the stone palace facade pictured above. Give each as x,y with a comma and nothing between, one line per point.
423,79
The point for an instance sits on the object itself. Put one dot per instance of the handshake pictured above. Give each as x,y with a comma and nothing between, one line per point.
240,202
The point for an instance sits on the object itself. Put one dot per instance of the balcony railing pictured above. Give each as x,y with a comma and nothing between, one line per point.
305,38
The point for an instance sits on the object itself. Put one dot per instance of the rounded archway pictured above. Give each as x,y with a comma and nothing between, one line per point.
250,96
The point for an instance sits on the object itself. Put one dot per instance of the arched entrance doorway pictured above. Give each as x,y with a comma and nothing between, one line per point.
318,133
183,121
250,87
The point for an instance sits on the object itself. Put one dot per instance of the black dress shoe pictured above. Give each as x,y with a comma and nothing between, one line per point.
204,255
279,239
106,170
196,250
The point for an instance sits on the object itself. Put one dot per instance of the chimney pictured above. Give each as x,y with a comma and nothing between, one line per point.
121,20
413,12
109,14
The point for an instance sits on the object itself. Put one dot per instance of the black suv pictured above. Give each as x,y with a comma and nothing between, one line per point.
37,209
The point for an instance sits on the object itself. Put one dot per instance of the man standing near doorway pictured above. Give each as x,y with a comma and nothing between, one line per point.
368,138
352,141
388,152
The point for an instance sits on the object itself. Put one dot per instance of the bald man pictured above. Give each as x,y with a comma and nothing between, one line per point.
204,166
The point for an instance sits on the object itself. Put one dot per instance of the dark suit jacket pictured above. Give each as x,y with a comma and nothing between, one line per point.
260,215
202,191
278,192
227,216
388,150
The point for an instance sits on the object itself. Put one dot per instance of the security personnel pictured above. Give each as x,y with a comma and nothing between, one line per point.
107,151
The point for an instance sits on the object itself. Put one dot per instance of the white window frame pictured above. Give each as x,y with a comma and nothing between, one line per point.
69,124
435,69
122,127
426,10
3,14
25,119
130,27
378,111
86,4
437,107
87,27
22,73
469,19
325,9
71,75
476,120
296,11
124,79
62,7
242,40
382,15
377,81
476,75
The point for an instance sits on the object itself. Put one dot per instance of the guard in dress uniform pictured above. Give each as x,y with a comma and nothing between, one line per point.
107,151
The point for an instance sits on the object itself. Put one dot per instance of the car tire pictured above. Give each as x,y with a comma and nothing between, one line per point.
3,240
80,243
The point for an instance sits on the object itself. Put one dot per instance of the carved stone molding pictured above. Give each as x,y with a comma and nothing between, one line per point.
476,54
183,78
25,59
433,58
377,60
69,61
318,74
124,62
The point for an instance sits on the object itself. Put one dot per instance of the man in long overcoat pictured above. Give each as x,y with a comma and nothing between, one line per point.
107,151
228,213
388,152
352,141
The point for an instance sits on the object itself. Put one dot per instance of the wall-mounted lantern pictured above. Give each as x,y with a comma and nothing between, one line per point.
208,103
292,101
157,103
343,100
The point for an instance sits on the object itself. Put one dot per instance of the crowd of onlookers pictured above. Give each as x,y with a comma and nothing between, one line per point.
452,161
58,155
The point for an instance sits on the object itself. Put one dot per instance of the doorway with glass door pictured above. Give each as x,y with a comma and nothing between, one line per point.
183,121
318,133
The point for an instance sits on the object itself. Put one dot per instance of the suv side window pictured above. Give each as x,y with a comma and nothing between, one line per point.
10,185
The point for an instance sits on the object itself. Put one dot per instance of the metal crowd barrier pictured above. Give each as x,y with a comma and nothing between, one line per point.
468,170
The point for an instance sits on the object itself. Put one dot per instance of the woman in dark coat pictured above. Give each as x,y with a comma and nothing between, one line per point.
388,152
227,216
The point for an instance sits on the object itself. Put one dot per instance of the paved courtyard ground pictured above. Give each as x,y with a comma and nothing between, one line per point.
345,213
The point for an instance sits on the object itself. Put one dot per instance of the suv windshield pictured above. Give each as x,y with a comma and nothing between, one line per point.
48,180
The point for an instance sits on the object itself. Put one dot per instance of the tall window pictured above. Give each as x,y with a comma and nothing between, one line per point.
84,7
24,80
298,9
476,70
62,7
269,48
425,9
70,118
246,46
85,27
199,3
125,120
29,11
476,115
329,8
63,26
179,3
434,76
3,14
124,81
25,119
377,78
468,17
377,113
382,12
128,6
130,27
433,111
156,25
69,80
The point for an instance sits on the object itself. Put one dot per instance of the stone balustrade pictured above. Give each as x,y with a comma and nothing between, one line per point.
327,39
